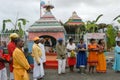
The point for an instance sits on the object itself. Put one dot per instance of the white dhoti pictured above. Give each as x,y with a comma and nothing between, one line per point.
42,69
11,76
61,65
38,71
3,74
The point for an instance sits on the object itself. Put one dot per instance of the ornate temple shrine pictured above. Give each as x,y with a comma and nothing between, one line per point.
73,26
47,27
73,23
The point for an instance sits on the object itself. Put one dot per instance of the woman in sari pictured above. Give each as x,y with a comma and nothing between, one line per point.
92,57
81,56
101,66
71,54
116,65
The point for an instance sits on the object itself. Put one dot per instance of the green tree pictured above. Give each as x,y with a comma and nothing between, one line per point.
81,30
111,35
91,26
116,18
4,25
19,23
102,26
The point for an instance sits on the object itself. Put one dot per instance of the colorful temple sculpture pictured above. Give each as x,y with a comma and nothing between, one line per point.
73,26
47,27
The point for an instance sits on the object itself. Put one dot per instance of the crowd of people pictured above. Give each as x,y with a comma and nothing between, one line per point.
16,58
70,55
77,56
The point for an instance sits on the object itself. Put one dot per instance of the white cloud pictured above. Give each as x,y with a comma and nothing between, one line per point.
86,9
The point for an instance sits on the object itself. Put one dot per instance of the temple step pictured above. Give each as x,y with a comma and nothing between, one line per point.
51,62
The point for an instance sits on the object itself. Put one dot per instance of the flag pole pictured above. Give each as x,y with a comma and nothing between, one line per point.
40,9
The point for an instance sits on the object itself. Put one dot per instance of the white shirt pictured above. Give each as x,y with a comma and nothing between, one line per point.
43,52
70,47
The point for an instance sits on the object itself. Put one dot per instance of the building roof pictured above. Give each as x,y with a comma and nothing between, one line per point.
47,23
74,20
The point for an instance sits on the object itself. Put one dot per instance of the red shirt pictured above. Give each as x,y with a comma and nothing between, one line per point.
2,65
11,47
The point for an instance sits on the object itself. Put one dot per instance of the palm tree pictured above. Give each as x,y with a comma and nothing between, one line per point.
111,34
81,30
116,18
18,23
22,21
102,26
91,26
4,25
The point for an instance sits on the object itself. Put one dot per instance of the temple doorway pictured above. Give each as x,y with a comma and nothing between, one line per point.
50,43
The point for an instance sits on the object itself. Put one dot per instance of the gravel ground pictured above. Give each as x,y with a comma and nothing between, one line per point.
51,74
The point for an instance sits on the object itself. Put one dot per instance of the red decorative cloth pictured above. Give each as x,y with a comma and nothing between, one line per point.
6,56
71,61
2,65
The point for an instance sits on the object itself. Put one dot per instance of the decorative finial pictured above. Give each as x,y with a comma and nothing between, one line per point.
48,6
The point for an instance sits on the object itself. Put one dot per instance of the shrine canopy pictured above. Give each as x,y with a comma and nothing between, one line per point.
73,23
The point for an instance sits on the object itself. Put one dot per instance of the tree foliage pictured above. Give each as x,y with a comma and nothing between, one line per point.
19,23
111,35
116,18
91,26
98,17
4,24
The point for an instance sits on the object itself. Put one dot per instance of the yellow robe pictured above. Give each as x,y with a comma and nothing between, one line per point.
20,65
101,66
36,52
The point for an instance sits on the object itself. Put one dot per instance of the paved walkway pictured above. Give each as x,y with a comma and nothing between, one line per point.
51,74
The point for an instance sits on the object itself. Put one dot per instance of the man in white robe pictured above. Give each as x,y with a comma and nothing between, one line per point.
43,57
37,54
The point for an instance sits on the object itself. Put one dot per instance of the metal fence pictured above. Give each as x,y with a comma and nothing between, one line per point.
76,37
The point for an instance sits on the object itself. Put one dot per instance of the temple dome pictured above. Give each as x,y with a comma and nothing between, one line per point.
74,16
